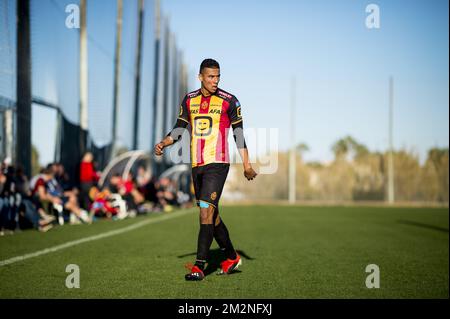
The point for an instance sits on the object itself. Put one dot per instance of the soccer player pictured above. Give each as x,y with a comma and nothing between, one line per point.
210,111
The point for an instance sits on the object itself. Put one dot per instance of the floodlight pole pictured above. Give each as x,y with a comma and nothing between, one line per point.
83,76
23,92
116,90
391,193
137,75
156,73
292,161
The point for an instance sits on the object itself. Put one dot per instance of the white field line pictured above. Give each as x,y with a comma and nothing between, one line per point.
92,238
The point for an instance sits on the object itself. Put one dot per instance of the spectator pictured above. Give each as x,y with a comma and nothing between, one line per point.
3,202
47,190
9,207
28,212
142,178
166,193
107,205
124,188
146,187
88,178
63,178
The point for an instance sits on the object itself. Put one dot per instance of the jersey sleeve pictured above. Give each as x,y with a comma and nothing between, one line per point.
234,111
183,114
182,122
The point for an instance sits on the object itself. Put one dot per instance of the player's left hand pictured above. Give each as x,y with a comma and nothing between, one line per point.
249,173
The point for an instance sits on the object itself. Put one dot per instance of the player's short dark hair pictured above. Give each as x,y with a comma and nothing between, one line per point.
209,63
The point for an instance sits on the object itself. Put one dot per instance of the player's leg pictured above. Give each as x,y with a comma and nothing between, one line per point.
216,174
233,260
222,236
208,183
205,238
196,271
219,173
206,233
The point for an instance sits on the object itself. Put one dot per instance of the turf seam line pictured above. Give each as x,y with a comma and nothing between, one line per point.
92,238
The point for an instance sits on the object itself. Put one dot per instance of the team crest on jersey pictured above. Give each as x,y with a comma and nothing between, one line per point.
204,105
214,196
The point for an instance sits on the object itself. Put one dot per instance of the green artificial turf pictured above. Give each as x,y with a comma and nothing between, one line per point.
288,252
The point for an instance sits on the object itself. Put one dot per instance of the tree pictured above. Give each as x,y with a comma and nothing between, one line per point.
340,148
437,161
301,149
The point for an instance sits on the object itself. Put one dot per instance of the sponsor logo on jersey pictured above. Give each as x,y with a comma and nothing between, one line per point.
224,94
193,94
202,125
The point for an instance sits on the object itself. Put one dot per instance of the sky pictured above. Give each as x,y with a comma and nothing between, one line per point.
340,66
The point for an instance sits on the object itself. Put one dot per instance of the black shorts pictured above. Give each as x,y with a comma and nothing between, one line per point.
209,181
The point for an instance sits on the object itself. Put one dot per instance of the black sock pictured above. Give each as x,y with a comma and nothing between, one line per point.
205,238
223,239
200,264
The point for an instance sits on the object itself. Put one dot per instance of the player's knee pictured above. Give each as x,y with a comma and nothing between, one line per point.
205,218
206,213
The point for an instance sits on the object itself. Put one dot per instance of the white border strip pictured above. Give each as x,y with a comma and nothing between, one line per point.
92,238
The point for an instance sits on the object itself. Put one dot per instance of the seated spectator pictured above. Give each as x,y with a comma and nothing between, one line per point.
9,203
63,178
166,193
3,202
46,190
127,190
106,204
146,187
29,214
142,178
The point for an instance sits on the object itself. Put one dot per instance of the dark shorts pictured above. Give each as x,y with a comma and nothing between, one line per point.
209,181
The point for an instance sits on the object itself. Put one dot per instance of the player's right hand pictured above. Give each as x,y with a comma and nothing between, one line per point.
159,149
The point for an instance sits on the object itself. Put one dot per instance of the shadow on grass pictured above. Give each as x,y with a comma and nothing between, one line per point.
216,256
412,223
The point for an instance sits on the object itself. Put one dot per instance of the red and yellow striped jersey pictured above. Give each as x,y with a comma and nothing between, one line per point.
210,118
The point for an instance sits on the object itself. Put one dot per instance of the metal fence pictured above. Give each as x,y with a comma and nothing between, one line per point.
120,65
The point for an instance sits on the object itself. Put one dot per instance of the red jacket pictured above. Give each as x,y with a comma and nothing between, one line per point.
87,172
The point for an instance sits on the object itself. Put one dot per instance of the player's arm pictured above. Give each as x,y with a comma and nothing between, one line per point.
177,131
238,134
